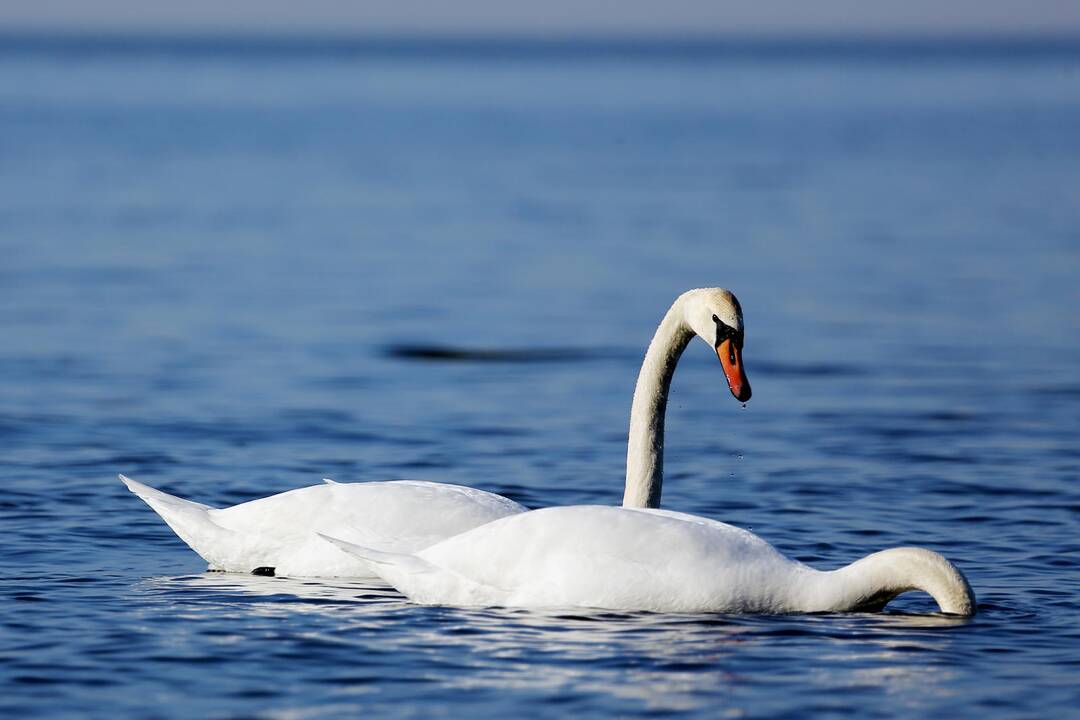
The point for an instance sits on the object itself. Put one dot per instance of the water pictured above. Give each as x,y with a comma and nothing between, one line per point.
232,272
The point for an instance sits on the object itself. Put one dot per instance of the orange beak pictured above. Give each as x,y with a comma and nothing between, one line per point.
731,360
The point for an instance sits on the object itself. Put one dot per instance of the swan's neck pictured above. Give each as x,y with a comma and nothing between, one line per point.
645,450
870,583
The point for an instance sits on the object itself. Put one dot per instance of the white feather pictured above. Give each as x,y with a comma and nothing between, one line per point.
641,559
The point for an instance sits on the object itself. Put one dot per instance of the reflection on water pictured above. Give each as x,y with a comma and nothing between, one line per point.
652,662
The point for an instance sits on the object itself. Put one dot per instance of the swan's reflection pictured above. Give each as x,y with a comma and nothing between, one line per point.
654,661
274,595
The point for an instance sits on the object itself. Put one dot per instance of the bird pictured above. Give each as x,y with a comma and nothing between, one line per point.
646,559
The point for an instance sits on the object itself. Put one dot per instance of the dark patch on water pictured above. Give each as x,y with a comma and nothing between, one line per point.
769,368
446,353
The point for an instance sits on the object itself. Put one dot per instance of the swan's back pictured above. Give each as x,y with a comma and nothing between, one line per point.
608,557
281,531
401,515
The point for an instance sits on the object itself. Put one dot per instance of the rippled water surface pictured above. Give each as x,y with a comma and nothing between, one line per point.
229,274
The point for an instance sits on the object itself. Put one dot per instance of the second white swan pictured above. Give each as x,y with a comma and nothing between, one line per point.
643,559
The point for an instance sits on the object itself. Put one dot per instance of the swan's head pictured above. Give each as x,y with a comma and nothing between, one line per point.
715,316
870,583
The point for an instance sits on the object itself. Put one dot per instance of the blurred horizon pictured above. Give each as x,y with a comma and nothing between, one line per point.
581,46
560,19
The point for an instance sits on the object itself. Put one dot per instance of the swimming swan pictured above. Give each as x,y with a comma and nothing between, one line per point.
646,559
277,534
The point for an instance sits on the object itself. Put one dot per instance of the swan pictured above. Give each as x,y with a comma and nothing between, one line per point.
276,535
628,559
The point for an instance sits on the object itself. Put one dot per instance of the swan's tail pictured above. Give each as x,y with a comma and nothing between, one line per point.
409,574
417,579
190,521
380,560
152,496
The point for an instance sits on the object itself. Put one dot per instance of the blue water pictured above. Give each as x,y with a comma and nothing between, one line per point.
217,266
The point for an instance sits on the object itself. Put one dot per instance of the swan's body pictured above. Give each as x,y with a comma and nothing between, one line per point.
280,532
644,559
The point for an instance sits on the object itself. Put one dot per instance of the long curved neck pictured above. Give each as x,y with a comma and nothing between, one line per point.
870,583
645,449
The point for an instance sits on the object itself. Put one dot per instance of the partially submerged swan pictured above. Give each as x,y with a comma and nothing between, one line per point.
645,559
277,534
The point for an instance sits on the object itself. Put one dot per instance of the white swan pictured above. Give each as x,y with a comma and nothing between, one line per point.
277,534
645,559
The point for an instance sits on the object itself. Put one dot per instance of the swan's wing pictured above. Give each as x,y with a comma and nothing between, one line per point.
400,516
280,531
603,557
721,528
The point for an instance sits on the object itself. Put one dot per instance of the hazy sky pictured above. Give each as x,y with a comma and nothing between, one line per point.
709,17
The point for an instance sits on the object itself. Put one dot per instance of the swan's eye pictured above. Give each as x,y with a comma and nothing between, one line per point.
723,332
715,319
